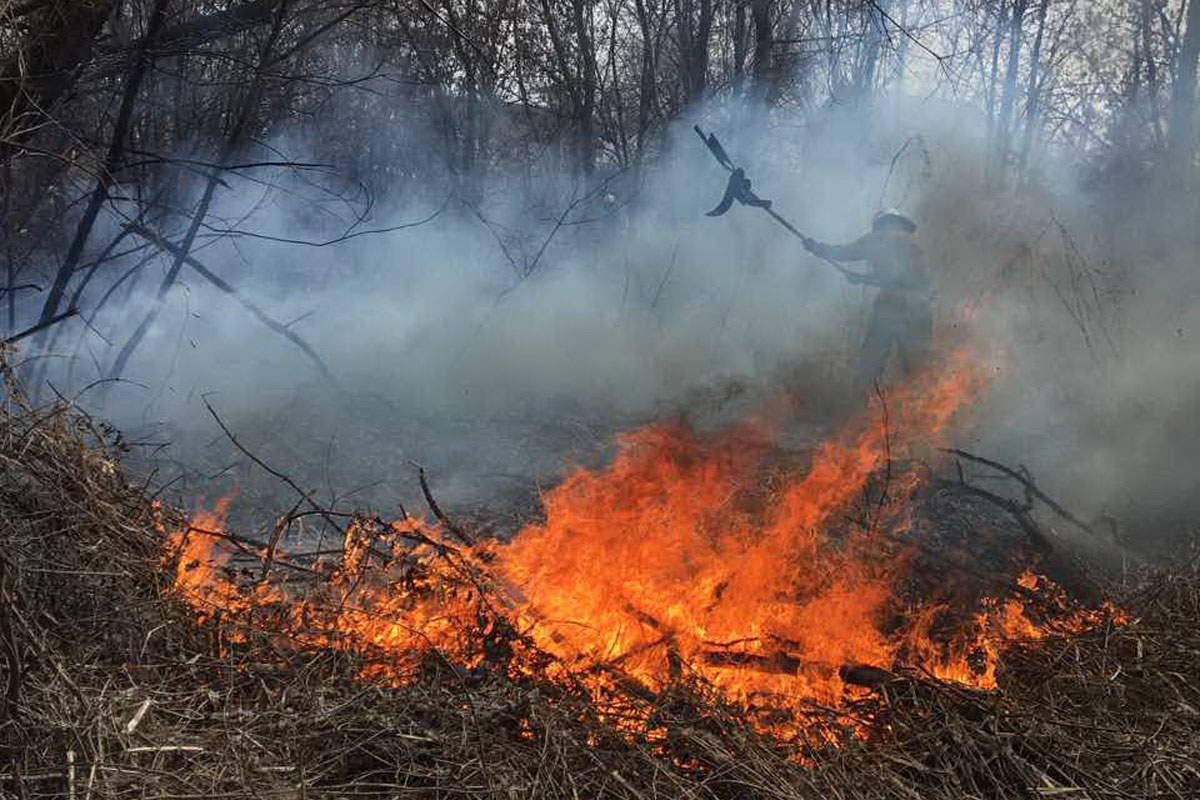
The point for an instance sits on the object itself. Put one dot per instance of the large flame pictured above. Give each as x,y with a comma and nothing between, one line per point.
663,556
687,554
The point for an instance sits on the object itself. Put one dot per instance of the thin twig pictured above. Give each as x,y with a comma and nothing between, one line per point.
320,510
437,511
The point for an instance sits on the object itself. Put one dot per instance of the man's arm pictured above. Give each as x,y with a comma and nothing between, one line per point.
860,250
854,251
857,250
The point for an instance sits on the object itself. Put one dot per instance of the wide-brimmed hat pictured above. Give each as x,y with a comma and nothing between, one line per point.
893,215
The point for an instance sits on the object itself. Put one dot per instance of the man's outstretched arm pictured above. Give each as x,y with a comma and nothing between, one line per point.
834,253
854,251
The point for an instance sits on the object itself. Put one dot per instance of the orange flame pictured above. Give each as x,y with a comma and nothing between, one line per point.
687,553
656,559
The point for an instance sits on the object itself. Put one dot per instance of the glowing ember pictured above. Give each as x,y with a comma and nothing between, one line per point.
686,555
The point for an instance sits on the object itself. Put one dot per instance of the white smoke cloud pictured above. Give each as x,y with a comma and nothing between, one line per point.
443,356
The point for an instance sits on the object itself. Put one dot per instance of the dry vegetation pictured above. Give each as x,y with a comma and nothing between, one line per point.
111,690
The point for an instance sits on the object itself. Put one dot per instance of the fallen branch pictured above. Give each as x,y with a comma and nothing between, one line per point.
1029,485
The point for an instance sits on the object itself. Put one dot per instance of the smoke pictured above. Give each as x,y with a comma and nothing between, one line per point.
507,339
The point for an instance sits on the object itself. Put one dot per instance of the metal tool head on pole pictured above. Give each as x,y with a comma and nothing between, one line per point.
738,189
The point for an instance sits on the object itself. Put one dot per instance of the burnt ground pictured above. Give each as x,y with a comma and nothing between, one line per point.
362,451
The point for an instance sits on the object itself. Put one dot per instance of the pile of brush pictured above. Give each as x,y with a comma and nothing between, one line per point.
110,688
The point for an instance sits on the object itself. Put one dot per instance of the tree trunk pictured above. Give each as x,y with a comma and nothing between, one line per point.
1181,144
567,72
902,45
868,60
1152,87
647,98
116,147
588,81
782,68
739,48
693,47
763,38
1008,100
1034,89
993,76
465,148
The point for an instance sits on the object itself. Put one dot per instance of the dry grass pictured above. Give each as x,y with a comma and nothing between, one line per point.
110,690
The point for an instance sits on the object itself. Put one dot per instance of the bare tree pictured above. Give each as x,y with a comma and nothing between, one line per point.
1181,148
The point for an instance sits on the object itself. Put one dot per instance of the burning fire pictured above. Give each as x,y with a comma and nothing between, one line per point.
687,555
